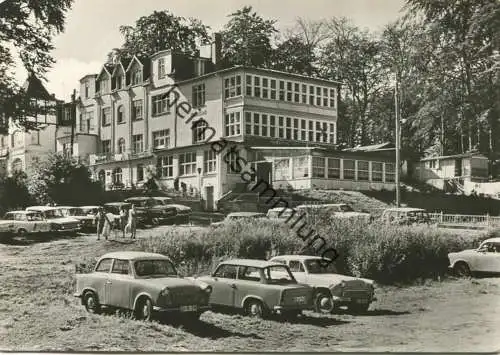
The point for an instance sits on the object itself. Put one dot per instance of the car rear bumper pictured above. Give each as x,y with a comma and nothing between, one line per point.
347,300
180,309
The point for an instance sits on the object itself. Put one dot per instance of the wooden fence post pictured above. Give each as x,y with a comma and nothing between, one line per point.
441,217
487,220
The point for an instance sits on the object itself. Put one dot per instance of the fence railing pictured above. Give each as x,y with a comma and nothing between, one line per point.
465,220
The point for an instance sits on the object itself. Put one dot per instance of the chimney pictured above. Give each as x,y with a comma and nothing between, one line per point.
216,49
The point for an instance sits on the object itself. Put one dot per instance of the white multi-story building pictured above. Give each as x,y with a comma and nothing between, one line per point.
146,112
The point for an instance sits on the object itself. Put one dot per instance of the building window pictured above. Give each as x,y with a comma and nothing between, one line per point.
101,176
332,97
264,125
303,130
118,82
281,127
103,86
348,168
256,86
377,171
318,167
106,146
87,93
121,145
288,128
272,126
161,68
161,139
273,89
209,161
233,124
137,110
256,124
17,165
282,91
137,143
35,137
187,164
198,95
248,84
300,167
282,169
333,168
248,123
117,176
165,166
136,76
363,170
390,175
140,172
120,115
232,162
331,138
199,128
106,116
160,104
232,86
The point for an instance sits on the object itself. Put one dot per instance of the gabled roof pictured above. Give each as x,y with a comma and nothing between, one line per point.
105,68
35,89
134,59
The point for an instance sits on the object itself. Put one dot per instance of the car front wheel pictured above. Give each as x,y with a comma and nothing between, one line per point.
323,302
462,269
91,302
144,310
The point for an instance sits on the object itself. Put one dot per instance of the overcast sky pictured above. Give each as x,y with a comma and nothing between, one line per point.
92,26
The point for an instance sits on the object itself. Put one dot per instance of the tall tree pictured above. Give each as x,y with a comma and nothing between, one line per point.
29,27
162,30
246,39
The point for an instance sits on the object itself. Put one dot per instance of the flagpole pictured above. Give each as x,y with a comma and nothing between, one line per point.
398,141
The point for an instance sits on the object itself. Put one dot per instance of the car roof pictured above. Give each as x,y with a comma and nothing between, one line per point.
250,262
90,206
299,257
492,240
138,198
67,207
162,197
404,209
133,255
116,203
245,214
23,212
41,208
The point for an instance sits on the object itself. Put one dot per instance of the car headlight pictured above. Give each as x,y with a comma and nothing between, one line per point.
343,284
208,289
165,296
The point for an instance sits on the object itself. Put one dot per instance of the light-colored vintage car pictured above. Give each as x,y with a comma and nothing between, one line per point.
146,283
483,260
183,212
257,287
331,289
58,222
88,221
22,223
238,216
336,210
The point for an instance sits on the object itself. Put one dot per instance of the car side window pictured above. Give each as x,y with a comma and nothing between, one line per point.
296,266
226,271
104,265
121,267
249,273
281,261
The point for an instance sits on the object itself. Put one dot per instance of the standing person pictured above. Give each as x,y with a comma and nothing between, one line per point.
132,221
123,219
106,230
100,218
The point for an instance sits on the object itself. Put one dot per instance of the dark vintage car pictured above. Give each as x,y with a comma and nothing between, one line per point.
183,213
258,287
145,283
155,212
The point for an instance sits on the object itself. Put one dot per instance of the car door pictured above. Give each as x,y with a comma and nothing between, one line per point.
248,281
119,284
488,260
298,271
224,285
100,278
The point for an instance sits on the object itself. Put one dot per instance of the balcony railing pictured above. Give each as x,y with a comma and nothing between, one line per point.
102,158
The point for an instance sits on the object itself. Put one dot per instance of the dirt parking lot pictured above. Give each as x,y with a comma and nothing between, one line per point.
40,314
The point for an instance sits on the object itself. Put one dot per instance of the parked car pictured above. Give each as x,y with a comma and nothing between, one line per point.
22,223
405,216
58,222
331,289
87,220
257,287
112,210
145,283
183,213
336,210
483,260
238,216
154,212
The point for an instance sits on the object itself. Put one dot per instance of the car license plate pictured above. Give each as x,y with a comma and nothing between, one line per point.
300,299
361,301
189,308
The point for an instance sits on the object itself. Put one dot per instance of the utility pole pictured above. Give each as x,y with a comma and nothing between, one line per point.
73,120
398,140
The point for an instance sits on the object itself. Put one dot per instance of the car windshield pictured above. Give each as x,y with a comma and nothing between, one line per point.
345,208
72,212
34,217
314,266
52,214
154,268
89,211
278,274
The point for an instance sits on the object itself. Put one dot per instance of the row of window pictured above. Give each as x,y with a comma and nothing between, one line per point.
330,168
281,90
137,145
117,82
17,139
268,125
187,164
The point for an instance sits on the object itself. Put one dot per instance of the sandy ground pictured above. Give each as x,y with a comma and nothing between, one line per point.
39,313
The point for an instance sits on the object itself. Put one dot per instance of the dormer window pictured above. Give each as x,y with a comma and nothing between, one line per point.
136,76
118,82
161,68
86,89
103,86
